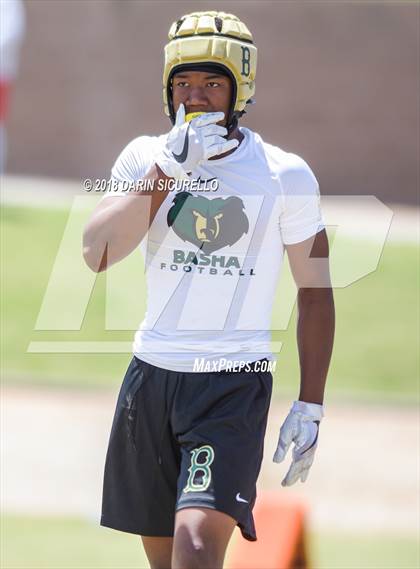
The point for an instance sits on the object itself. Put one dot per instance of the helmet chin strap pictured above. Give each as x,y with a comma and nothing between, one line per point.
234,121
232,124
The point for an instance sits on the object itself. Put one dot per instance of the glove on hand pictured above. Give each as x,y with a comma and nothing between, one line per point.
300,427
190,143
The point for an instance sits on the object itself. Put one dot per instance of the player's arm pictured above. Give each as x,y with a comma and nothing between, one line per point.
316,315
307,249
315,333
118,224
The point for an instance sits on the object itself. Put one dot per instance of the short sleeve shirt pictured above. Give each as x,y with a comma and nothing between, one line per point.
214,251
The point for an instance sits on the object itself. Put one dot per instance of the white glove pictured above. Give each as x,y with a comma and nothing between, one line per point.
190,143
300,427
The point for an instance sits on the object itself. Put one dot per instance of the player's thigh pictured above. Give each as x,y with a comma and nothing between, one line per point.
158,551
201,538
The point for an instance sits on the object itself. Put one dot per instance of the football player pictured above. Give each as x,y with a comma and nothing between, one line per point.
187,440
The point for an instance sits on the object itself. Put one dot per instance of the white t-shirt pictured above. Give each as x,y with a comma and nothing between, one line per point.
213,255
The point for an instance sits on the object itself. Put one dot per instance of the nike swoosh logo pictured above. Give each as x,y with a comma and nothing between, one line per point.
239,499
316,438
200,181
183,156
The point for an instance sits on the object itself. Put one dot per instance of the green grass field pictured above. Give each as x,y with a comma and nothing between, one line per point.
58,543
376,349
375,359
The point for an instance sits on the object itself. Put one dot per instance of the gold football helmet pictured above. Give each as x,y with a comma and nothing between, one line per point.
211,40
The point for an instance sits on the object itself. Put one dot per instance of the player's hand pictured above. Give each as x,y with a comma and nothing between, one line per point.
190,143
301,428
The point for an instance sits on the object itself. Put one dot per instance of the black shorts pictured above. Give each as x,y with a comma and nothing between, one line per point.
183,440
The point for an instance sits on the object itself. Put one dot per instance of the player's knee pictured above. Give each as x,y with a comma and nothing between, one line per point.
193,553
195,548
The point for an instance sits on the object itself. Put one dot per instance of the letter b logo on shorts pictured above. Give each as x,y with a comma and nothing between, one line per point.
200,473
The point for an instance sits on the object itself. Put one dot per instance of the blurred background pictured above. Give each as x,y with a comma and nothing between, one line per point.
337,83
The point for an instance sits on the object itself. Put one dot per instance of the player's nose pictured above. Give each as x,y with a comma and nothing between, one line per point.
196,96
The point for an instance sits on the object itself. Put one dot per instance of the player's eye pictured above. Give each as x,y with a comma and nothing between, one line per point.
213,84
181,84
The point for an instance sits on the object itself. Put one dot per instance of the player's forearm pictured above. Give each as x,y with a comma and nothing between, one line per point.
315,336
115,229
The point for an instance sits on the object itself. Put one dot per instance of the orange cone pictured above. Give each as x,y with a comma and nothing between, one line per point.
279,522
